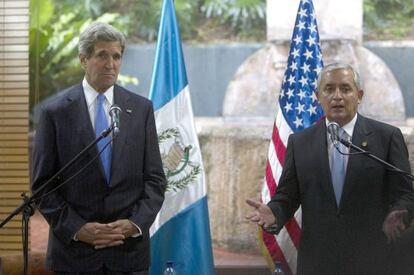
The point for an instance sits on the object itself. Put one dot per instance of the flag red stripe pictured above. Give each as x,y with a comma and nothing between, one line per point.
292,225
280,148
275,251
293,229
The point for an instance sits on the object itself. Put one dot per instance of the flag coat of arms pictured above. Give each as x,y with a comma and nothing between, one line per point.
298,109
181,231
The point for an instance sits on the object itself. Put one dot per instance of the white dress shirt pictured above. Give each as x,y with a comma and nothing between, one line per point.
91,96
349,129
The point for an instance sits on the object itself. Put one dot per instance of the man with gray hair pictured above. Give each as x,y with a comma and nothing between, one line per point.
351,205
100,218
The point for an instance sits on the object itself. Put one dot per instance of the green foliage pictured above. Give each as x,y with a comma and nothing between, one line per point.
388,19
142,16
197,18
40,14
245,17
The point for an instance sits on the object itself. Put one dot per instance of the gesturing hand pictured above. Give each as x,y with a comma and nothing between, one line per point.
262,215
394,224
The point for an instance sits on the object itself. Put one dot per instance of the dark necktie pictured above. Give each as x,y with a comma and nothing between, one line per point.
101,123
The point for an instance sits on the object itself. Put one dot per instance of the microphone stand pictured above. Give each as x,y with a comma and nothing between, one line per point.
374,157
27,207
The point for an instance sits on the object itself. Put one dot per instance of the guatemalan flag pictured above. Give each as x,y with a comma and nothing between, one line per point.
181,231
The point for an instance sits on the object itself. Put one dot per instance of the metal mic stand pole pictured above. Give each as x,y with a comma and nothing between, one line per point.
374,157
27,208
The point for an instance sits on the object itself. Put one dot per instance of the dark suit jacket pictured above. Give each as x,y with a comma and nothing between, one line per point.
135,192
347,239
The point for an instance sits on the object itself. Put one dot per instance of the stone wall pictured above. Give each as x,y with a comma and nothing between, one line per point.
234,156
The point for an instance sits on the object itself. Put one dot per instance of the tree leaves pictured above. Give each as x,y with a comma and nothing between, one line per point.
388,19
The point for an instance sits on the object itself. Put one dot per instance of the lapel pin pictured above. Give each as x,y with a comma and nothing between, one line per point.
364,143
129,111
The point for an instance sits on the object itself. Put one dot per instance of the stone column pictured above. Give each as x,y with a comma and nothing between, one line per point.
337,20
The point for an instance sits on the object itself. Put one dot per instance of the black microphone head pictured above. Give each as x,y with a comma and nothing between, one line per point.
115,109
114,113
333,129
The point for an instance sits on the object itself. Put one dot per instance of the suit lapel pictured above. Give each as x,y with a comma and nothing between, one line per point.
359,138
120,99
322,154
79,114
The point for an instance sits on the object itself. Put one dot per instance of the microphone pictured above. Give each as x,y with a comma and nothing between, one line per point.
114,113
333,129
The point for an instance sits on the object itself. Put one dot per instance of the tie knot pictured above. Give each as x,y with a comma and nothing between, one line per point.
101,99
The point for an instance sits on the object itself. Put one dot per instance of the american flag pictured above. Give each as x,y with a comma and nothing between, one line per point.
298,109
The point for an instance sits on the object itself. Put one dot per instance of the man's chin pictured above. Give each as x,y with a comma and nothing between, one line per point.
337,118
107,84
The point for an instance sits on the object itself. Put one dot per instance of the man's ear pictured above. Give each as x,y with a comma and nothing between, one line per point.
82,60
360,95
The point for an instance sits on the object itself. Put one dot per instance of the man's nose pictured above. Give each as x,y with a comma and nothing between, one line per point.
109,63
337,94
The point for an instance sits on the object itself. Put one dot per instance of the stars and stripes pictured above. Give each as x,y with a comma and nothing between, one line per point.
298,109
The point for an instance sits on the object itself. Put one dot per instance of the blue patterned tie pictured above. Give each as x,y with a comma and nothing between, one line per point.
101,124
338,168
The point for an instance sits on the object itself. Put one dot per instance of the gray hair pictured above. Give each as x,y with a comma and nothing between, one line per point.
99,31
340,66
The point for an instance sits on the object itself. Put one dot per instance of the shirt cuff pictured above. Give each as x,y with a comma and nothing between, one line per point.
136,235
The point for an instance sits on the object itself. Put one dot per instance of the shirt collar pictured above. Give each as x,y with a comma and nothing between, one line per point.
349,127
91,93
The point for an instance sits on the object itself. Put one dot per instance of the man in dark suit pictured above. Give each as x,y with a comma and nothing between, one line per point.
99,220
346,220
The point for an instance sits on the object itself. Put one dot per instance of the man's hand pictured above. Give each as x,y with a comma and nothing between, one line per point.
262,215
394,225
100,235
125,227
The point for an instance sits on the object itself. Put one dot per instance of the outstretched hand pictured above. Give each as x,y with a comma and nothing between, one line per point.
262,215
394,225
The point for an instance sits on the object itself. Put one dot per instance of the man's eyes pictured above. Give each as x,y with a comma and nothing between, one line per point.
106,56
342,89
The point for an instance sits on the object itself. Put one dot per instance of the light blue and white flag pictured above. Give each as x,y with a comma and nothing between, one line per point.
181,231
